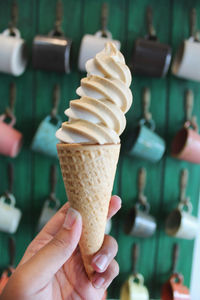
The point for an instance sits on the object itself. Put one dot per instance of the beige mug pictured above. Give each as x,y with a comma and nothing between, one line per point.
134,289
181,224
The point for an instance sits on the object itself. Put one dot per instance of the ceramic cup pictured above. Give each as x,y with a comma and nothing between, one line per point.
150,57
10,138
9,214
186,63
182,224
91,45
49,209
13,58
186,145
51,53
145,143
45,140
174,289
134,289
140,223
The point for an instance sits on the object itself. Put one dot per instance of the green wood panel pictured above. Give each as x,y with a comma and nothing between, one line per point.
34,100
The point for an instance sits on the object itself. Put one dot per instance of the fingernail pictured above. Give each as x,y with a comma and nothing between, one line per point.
101,261
70,219
98,283
116,196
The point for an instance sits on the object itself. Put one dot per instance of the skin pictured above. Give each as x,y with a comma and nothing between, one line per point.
52,268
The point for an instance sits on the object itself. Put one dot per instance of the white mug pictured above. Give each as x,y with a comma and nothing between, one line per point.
134,289
47,212
186,63
182,224
12,53
9,214
91,45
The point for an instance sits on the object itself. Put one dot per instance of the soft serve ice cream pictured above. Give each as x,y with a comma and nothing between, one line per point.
98,116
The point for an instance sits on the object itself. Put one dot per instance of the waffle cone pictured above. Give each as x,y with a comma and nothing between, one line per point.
88,173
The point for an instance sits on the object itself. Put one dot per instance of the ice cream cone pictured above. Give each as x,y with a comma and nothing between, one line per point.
88,172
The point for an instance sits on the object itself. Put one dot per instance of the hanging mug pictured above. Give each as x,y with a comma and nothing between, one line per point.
186,63
144,143
13,58
181,224
140,223
49,209
91,45
150,57
9,215
186,144
51,53
134,289
10,138
45,140
174,289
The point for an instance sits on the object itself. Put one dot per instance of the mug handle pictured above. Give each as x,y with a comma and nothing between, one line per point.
16,31
10,197
137,277
107,33
186,204
145,205
150,123
12,119
50,200
176,278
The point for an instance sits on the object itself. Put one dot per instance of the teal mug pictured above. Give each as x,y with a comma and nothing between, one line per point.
45,140
145,143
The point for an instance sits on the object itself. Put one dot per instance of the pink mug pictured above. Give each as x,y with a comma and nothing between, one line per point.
186,144
10,138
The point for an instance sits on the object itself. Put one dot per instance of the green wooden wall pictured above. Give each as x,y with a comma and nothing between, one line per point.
34,98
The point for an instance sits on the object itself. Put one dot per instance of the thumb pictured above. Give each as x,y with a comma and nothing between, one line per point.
53,255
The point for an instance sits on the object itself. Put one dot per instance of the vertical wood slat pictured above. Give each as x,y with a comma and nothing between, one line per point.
34,98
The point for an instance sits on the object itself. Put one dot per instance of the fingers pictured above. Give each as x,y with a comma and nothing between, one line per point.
115,205
105,255
103,280
48,260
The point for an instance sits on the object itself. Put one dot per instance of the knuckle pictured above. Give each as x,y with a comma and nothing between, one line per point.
58,242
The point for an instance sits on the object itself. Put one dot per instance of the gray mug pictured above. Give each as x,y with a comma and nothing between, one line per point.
51,53
140,223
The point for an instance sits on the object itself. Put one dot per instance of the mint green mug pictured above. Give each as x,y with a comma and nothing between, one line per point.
145,143
45,140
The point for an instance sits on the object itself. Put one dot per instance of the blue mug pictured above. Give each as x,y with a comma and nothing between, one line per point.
45,140
145,143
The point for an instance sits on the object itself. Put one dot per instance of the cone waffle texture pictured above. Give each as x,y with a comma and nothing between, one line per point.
88,172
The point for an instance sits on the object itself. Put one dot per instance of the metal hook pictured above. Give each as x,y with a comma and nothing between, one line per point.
135,255
53,181
56,98
59,15
104,18
10,109
183,186
175,255
150,27
141,186
14,17
189,102
10,178
11,250
146,101
193,21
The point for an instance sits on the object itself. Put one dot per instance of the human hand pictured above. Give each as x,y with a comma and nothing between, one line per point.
52,268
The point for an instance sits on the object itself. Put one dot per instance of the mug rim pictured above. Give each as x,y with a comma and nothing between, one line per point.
178,58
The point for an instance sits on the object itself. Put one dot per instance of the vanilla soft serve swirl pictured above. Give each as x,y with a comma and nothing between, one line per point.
98,116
